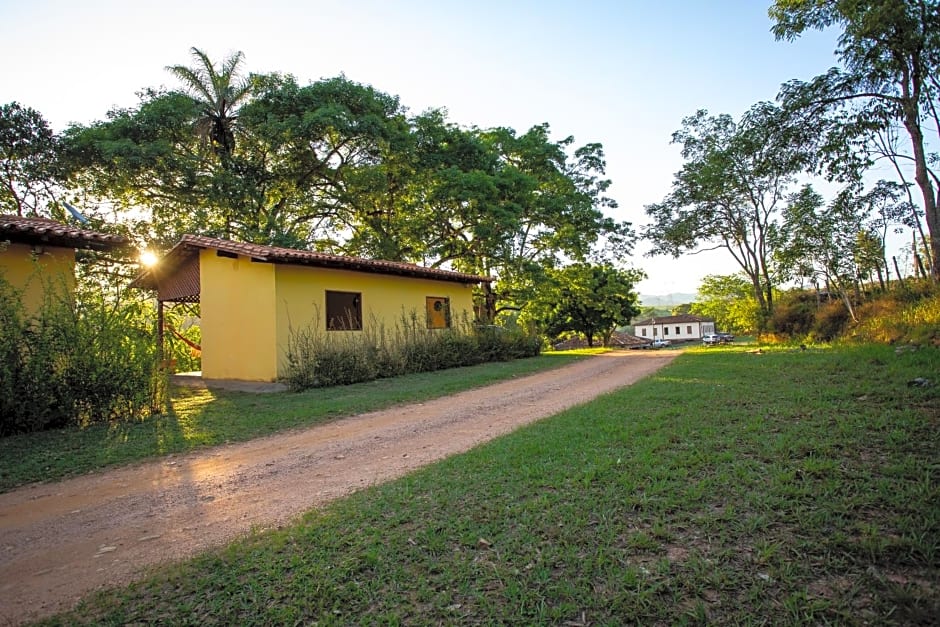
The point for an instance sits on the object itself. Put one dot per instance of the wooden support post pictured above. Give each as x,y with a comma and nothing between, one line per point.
160,332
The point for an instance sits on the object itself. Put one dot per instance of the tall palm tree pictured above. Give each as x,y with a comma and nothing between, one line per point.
218,94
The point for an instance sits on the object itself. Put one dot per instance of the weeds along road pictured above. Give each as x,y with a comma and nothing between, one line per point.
60,541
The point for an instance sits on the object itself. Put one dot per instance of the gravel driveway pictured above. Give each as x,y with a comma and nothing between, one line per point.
60,541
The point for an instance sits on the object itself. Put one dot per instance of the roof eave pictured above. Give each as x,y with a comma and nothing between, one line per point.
60,241
190,245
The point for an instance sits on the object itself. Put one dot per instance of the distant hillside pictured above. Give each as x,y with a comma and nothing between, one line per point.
666,300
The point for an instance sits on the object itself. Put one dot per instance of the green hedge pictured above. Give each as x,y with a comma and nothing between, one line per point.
317,358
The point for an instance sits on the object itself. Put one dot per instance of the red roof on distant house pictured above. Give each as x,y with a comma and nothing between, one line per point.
672,320
39,231
190,245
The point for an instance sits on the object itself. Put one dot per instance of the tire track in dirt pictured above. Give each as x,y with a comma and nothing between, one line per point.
60,541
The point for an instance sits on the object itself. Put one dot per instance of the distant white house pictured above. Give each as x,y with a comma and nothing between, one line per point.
675,328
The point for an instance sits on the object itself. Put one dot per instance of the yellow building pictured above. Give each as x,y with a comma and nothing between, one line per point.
37,256
251,297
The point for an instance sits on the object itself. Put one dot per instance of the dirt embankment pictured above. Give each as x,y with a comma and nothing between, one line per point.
59,541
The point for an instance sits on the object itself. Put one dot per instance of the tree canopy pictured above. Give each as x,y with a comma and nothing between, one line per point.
592,299
730,189
30,172
336,166
730,300
890,50
837,244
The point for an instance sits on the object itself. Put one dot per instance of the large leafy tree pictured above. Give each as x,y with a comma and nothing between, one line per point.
890,50
549,208
319,152
592,299
729,192
492,202
888,208
285,181
147,159
340,166
829,243
30,171
730,300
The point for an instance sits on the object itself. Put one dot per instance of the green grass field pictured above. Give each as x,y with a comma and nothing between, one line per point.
786,487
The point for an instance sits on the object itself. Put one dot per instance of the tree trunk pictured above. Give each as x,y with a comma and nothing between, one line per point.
848,303
912,124
761,301
881,280
920,265
489,303
897,271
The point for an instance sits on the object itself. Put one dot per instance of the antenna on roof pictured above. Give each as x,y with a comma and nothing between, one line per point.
75,213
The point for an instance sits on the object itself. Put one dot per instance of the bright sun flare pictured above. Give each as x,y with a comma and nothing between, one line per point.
148,258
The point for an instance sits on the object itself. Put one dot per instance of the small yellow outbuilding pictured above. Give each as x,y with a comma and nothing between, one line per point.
37,256
252,296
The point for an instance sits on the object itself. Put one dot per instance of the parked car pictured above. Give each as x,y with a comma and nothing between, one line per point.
713,339
660,343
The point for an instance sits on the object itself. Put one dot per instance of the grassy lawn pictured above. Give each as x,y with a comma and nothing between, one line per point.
786,487
201,418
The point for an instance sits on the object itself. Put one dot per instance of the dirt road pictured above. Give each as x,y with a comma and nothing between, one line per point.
59,541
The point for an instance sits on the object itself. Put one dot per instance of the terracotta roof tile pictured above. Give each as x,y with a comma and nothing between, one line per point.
23,230
190,245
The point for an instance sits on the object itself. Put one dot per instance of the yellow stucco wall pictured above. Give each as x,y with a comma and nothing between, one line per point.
238,311
301,299
248,309
45,270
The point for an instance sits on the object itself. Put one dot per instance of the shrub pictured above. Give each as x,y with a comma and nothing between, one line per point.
830,322
900,317
73,365
794,314
317,358
909,313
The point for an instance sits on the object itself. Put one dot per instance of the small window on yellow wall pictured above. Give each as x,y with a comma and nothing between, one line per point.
343,311
438,312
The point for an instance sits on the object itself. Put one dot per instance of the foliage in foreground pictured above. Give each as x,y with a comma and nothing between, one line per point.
786,487
316,358
73,364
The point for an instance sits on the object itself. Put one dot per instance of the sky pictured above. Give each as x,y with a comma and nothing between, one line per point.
622,73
